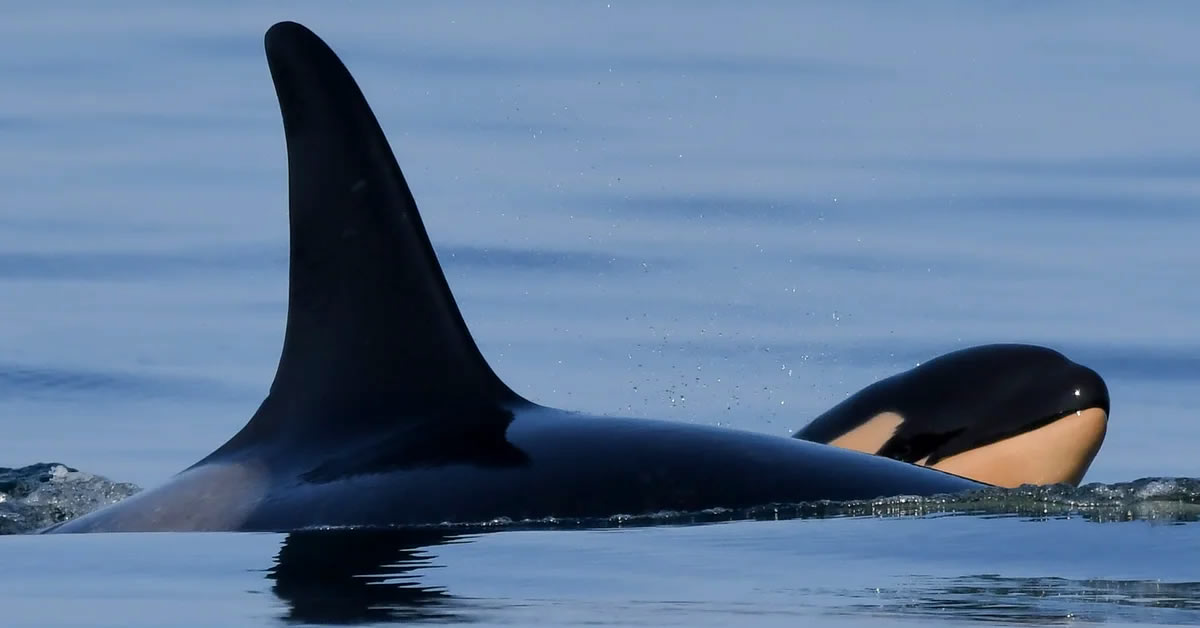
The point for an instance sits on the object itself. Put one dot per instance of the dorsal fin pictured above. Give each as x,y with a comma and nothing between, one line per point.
373,332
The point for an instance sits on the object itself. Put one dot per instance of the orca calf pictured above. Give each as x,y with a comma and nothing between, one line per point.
1005,414
383,411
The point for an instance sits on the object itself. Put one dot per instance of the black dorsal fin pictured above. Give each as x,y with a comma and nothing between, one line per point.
373,332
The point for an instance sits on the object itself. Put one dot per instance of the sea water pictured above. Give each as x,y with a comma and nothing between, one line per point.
718,213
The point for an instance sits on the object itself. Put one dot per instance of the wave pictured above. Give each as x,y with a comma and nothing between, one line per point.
39,495
1158,499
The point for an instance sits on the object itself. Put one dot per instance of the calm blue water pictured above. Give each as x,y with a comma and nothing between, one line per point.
713,213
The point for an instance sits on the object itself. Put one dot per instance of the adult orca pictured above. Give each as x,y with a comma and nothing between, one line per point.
1005,414
384,412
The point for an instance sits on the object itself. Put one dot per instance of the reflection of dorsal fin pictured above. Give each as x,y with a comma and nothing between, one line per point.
373,334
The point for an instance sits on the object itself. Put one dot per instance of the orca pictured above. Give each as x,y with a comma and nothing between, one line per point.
1005,414
384,412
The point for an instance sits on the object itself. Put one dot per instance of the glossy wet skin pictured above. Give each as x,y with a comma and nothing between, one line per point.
1059,452
384,412
1002,414
576,466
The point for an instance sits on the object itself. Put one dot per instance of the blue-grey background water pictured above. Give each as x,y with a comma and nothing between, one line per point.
705,212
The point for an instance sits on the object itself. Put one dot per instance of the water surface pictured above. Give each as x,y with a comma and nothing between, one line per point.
724,214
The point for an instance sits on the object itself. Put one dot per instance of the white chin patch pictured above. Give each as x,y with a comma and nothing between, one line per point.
1060,452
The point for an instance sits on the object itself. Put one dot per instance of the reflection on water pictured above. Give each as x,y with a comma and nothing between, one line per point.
993,598
359,576
372,576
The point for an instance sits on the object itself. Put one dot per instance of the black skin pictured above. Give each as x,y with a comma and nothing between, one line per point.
384,412
967,399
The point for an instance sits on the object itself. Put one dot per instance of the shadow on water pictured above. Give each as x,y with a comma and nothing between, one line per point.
361,576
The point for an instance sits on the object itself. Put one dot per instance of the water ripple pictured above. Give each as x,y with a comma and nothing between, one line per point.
1031,600
60,383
